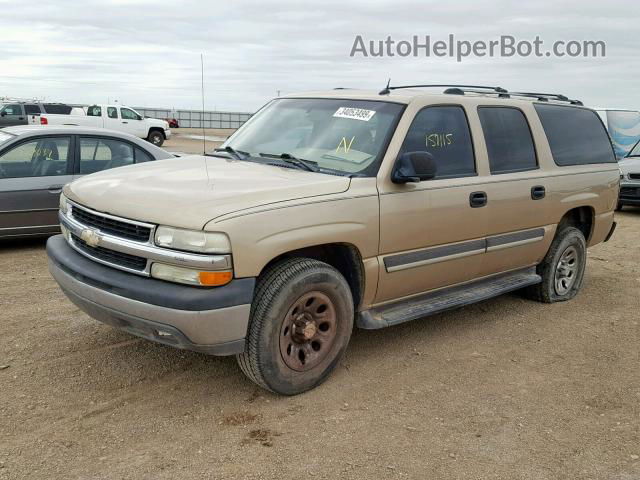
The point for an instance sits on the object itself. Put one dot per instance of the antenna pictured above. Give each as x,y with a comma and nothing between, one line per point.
204,137
386,90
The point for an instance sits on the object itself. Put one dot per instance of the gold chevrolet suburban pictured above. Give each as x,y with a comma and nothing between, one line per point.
337,208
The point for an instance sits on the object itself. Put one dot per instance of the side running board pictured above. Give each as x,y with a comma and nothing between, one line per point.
446,299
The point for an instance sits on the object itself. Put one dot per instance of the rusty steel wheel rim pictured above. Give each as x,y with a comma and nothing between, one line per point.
308,331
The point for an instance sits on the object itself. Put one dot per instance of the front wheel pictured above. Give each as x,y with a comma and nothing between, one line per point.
156,138
562,270
300,325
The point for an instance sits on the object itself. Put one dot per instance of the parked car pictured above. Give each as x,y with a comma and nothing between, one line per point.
173,122
113,117
341,207
35,163
630,178
17,113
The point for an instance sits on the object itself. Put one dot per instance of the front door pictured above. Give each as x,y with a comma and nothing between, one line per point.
12,114
432,232
32,175
132,123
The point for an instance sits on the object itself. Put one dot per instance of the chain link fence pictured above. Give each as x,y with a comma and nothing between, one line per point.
195,118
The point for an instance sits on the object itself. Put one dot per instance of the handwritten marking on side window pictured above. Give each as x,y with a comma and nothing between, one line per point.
439,140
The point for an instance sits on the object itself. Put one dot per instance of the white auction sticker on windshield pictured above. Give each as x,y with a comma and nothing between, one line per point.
355,113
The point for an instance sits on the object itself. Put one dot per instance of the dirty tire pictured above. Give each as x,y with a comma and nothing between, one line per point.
278,292
156,138
561,280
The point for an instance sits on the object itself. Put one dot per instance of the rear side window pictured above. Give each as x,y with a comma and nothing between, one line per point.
94,111
142,156
112,112
32,109
57,108
97,154
576,135
508,138
444,133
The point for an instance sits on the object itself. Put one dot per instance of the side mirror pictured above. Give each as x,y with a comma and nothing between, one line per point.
3,114
414,167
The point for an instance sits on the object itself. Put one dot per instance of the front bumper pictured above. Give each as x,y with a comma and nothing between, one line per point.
167,134
208,320
629,193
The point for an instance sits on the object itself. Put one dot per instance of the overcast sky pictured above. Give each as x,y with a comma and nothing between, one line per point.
147,53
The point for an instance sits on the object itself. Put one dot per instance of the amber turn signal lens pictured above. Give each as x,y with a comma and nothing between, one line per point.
215,279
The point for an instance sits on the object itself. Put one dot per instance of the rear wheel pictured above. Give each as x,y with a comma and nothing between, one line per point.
301,322
156,138
562,270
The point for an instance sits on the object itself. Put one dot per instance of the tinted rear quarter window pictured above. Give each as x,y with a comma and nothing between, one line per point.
32,109
576,135
57,109
443,131
508,138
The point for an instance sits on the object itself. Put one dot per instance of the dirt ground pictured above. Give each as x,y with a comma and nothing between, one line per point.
505,389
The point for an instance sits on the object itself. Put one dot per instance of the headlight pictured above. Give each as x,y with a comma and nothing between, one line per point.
190,276
65,207
192,240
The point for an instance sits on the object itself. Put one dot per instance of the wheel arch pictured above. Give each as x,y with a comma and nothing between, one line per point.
156,129
344,257
582,218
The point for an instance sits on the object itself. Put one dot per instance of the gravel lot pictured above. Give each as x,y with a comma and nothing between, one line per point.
507,389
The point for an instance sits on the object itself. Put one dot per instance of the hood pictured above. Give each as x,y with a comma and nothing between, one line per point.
629,165
188,192
157,122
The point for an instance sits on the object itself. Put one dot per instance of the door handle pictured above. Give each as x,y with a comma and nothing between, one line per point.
20,118
55,189
125,122
538,192
478,199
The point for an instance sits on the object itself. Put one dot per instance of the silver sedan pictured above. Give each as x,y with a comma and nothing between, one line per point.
37,161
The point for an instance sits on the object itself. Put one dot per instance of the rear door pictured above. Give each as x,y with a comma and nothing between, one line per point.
12,114
32,174
517,203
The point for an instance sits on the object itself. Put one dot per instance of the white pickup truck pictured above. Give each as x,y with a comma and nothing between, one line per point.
113,117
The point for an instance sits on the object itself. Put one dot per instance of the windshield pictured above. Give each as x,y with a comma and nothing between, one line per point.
635,151
343,136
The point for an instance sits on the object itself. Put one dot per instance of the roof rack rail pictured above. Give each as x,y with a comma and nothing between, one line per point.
482,89
387,90
545,97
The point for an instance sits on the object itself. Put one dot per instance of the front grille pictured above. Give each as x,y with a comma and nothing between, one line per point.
111,256
634,176
118,228
629,191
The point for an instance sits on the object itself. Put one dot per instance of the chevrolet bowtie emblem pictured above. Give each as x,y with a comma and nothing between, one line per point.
90,237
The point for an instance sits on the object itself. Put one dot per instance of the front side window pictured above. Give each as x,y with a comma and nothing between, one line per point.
443,131
339,136
128,114
98,154
576,135
42,157
11,110
508,138
112,112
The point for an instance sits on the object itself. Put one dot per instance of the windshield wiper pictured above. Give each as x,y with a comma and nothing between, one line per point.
237,154
307,165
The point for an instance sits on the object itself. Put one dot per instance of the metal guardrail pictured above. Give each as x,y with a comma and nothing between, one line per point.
195,118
